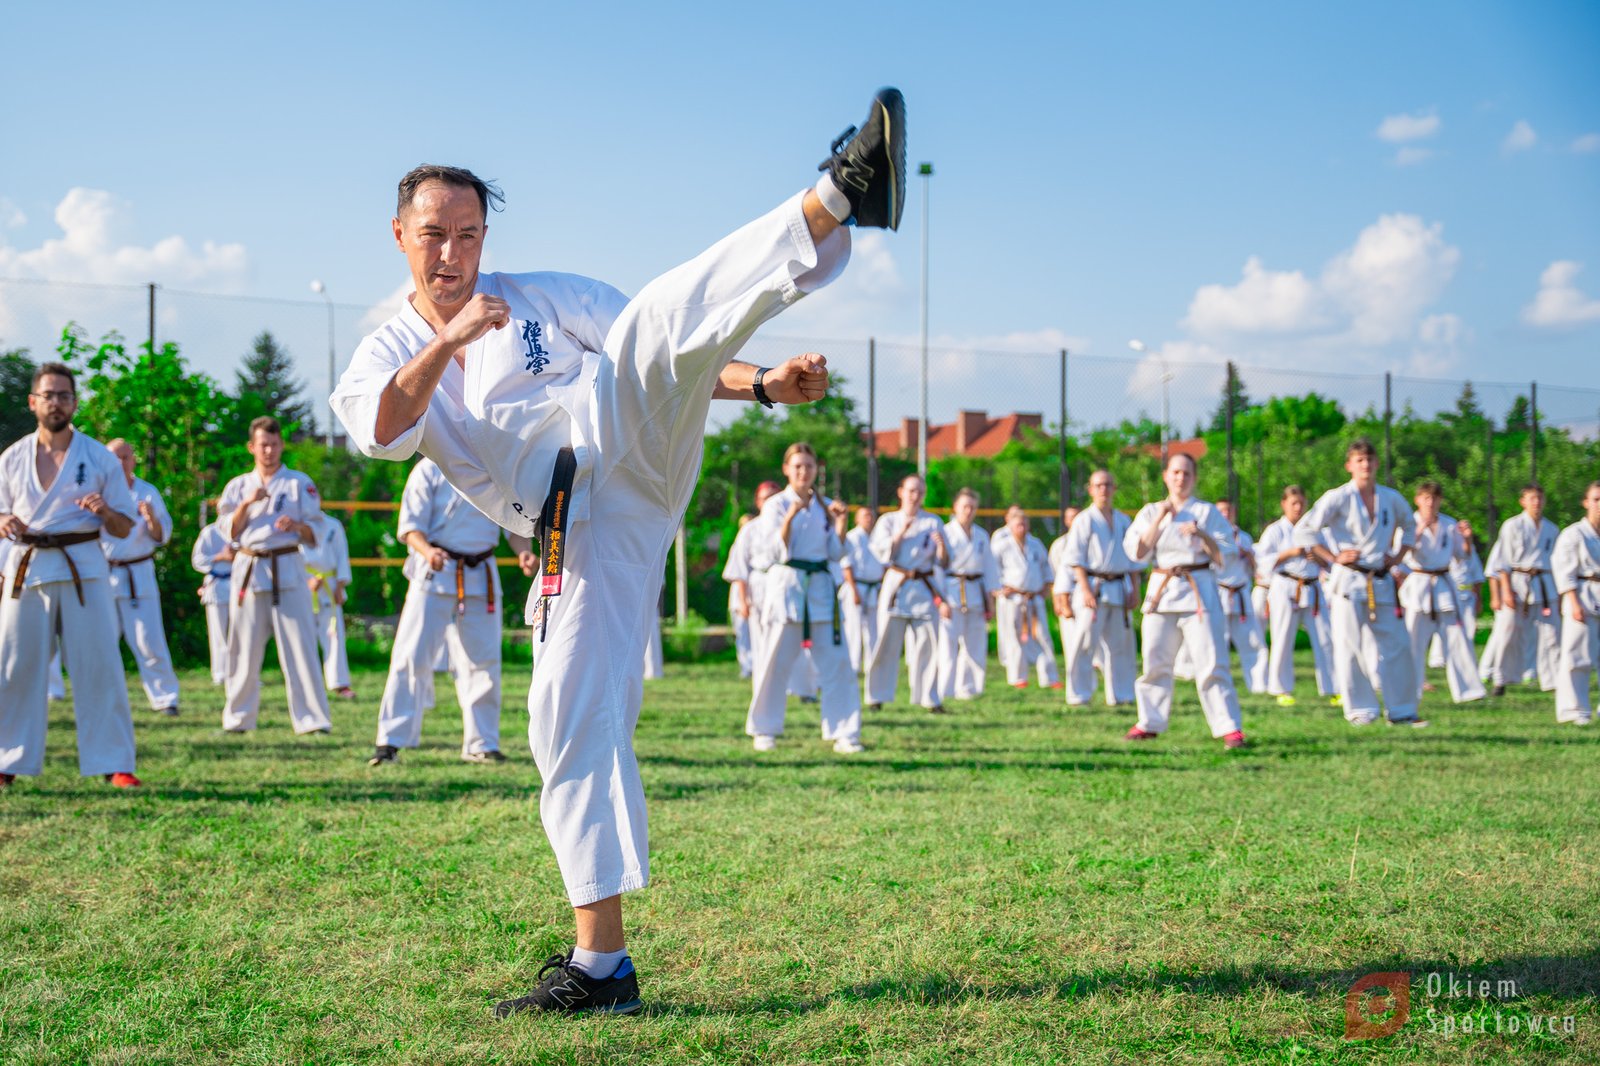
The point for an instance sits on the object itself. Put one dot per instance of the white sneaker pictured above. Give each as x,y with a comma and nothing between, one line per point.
847,746
1367,719
763,742
1414,723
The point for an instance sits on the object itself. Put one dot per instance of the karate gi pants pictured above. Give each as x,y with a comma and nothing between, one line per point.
294,628
140,622
1461,668
1016,654
1284,620
1105,633
330,637
860,622
57,678
1370,655
652,650
1528,642
428,624
840,701
1244,634
1580,651
741,642
803,681
28,626
963,653
646,436
217,636
920,639
1206,638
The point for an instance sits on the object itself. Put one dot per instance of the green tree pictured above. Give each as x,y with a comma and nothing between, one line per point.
1234,397
268,375
16,381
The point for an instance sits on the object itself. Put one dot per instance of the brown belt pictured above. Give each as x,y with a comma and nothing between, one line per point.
1300,586
1244,600
1101,577
129,564
1187,573
272,561
462,562
1433,595
1027,621
1372,572
924,576
59,541
1538,583
964,579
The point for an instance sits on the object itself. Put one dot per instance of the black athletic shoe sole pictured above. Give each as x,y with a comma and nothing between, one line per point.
565,989
859,158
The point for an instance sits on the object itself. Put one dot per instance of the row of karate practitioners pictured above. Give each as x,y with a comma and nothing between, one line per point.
1376,586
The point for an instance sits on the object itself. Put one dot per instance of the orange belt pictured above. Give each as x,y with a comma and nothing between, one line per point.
1187,572
1027,621
59,541
924,576
271,556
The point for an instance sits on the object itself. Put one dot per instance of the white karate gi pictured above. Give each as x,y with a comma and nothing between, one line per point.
1235,580
654,667
138,599
860,619
442,613
214,593
970,577
329,559
627,387
1528,628
1095,543
51,603
1575,566
908,612
791,597
1433,608
1466,575
1022,619
1371,648
254,617
1296,600
1182,609
1489,661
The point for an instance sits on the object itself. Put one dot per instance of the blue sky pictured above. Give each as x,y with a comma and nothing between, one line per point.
1357,187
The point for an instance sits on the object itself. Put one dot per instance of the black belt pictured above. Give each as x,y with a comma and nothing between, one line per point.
59,541
1433,593
1372,597
462,562
129,564
809,567
553,532
1538,582
1101,577
272,561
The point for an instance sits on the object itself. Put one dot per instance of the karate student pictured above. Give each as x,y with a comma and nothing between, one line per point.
1183,538
746,575
863,577
1370,528
554,405
1065,582
328,576
1234,583
133,585
1526,619
970,583
452,602
59,490
1295,601
1022,626
805,532
1466,576
270,512
1575,566
1428,595
213,557
910,544
1099,616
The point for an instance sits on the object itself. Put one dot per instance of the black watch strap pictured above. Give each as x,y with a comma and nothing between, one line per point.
759,389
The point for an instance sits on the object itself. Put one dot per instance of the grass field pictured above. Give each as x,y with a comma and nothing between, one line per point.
1012,883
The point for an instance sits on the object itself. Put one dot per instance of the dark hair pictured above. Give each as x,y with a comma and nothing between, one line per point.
1431,488
968,492
1291,490
266,424
58,369
1361,446
488,192
1532,486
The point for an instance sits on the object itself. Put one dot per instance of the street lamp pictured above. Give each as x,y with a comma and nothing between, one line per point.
322,291
1166,378
926,170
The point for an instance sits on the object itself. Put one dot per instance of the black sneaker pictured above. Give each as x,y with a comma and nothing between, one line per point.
483,756
170,712
384,753
869,165
565,988
1498,690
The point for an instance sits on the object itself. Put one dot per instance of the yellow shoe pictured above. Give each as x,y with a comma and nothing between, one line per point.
1286,701
1336,700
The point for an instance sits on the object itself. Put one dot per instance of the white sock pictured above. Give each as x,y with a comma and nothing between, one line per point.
836,202
598,964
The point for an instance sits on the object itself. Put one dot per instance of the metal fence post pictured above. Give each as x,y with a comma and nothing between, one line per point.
1488,465
1261,488
1533,438
1227,416
152,318
872,424
1388,419
1065,481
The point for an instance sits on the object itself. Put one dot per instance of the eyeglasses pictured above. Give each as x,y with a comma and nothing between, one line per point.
56,397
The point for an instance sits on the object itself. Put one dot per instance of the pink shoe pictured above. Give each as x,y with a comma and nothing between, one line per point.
1139,734
122,780
1234,739
1019,684
1059,685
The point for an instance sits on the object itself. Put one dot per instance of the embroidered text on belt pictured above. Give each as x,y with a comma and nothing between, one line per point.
964,578
1238,593
1433,592
463,562
58,541
1027,619
810,568
1373,572
924,576
129,564
553,532
1101,577
1187,572
271,556
1536,582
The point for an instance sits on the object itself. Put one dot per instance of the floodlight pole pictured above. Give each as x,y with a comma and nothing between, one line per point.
926,170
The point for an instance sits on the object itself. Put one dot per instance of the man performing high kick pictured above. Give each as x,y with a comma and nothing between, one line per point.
560,410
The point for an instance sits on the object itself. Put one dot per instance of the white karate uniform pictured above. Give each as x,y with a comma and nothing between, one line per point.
1466,575
1235,580
654,667
1575,566
329,559
1296,599
254,617
214,594
138,599
1096,544
1184,610
50,604
749,560
970,577
1433,608
793,595
741,635
860,619
627,388
1022,619
1489,659
1528,629
441,614
1372,650
908,612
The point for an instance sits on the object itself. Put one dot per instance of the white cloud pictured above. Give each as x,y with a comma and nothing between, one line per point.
1410,156
1559,304
869,294
11,215
1264,301
1398,129
1588,144
1437,351
1520,139
386,308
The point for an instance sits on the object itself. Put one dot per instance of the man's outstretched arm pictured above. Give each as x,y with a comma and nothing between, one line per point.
801,379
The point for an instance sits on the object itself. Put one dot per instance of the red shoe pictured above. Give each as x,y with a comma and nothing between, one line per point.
122,780
6,779
1234,739
1019,684
345,693
1059,684
1139,734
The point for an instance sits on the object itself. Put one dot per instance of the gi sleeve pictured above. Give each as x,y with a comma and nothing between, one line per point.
114,489
310,503
7,500
232,497
1221,532
1405,523
163,518
200,556
359,394
738,565
341,549
1046,571
1308,531
416,503
1564,563
1136,530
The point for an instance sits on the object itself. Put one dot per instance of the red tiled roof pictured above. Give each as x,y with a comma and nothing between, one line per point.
973,434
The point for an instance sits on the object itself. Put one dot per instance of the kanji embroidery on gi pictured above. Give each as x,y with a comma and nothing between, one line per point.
537,357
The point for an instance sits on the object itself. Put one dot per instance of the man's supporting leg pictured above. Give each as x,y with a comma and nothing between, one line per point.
142,628
295,629
249,626
27,627
1162,635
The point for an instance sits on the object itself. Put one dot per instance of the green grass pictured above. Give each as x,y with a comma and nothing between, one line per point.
1010,884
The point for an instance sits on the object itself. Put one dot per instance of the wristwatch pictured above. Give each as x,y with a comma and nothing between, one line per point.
760,389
